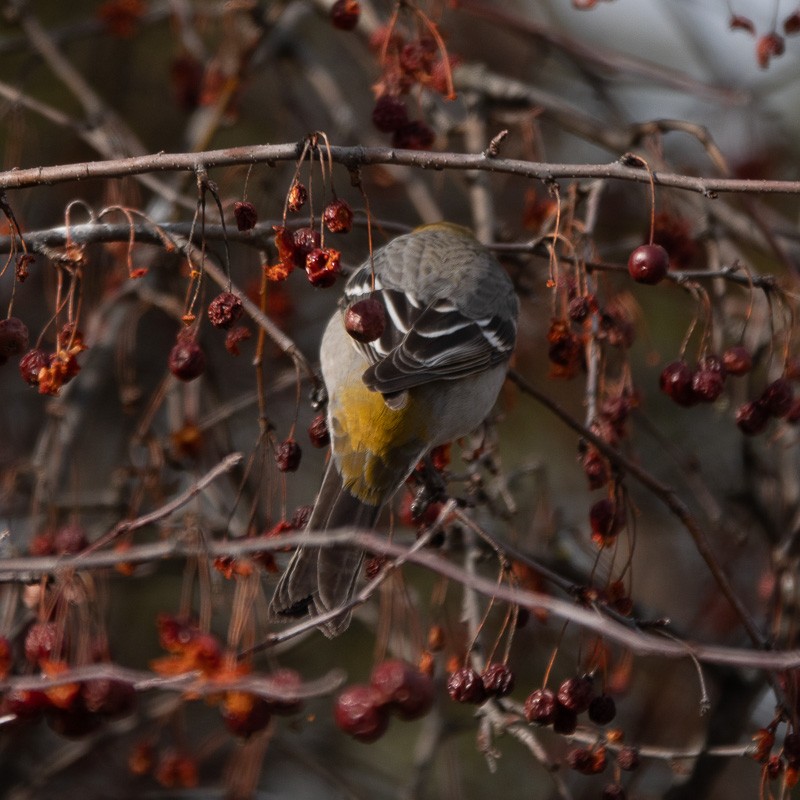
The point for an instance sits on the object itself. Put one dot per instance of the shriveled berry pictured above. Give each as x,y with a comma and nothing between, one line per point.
70,538
707,386
43,642
318,431
613,791
287,682
288,455
365,320
465,686
648,264
565,720
576,693
737,360
579,308
323,265
389,114
25,703
602,709
338,216
110,698
300,517
751,418
586,760
345,14
777,398
224,310
359,712
304,240
606,518
31,364
414,135
498,680
403,688
540,706
298,195
628,758
13,338
187,360
245,214
244,714
596,469
676,383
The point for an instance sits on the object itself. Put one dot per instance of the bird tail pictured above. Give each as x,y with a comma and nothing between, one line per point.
320,579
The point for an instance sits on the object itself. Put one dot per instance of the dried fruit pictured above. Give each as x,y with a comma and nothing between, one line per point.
187,360
31,364
318,431
245,214
389,114
110,698
344,14
298,195
737,360
70,538
288,682
288,455
707,385
498,680
540,707
323,265
628,758
365,320
304,240
43,642
576,693
224,310
403,688
602,709
648,264
676,383
244,714
465,686
338,216
13,338
359,712
751,418
606,518
235,337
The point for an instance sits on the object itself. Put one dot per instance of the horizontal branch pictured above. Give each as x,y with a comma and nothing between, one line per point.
355,157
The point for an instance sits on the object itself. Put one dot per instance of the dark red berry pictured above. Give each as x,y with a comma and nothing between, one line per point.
70,538
540,706
576,693
649,264
580,759
43,642
751,418
187,360
72,723
338,216
613,791
25,703
31,364
737,360
595,469
791,749
365,320
286,682
246,215
606,518
288,455
403,688
359,712
224,310
579,308
465,686
323,265
318,431
304,240
234,337
414,135
298,195
777,398
498,680
707,386
300,517
565,720
345,14
389,114
244,714
110,698
676,383
628,758
602,709
13,338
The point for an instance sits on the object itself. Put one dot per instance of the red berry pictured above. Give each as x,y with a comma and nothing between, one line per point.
244,714
602,709
70,539
110,698
389,114
707,385
13,338
751,418
628,758
606,518
580,307
365,320
288,681
304,240
345,14
648,264
576,693
298,195
777,398
187,360
43,642
359,712
498,680
300,517
31,364
676,383
595,469
318,431
403,688
587,761
246,215
540,707
288,455
737,360
338,216
323,265
465,686
224,310
25,703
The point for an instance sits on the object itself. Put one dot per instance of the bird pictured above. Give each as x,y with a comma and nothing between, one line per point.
432,376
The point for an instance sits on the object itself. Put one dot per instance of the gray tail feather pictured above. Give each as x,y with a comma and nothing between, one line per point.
320,579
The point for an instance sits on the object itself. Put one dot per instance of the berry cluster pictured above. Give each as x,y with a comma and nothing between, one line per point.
466,685
395,687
